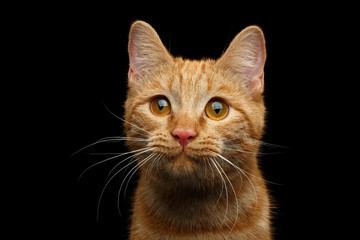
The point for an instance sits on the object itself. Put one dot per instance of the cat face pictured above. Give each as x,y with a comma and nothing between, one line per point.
187,113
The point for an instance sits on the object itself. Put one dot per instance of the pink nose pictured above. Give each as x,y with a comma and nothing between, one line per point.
184,136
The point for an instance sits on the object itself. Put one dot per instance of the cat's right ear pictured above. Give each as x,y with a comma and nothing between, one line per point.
146,51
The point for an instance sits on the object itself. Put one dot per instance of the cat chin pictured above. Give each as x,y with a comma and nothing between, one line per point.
186,167
179,165
182,161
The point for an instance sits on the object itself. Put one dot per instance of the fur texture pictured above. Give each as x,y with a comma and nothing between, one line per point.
212,188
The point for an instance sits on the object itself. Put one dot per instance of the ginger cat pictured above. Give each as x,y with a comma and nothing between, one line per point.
197,126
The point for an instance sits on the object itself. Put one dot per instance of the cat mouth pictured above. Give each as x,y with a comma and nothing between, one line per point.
188,152
178,162
180,154
191,154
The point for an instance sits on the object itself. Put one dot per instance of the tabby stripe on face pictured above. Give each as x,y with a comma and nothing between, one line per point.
190,76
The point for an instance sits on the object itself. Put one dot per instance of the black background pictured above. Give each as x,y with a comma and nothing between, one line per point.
81,68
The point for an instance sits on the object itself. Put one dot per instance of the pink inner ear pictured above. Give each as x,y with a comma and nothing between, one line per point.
257,84
132,75
262,80
133,57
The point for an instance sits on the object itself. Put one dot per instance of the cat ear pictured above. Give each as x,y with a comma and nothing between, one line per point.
245,58
146,51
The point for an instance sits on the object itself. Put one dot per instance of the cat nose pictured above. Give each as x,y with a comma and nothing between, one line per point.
184,136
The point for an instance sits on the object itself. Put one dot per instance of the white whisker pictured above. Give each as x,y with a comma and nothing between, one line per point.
108,182
226,191
154,162
240,150
243,172
109,140
127,121
148,158
208,162
92,144
254,153
135,155
235,196
101,194
268,144
132,172
111,158
261,178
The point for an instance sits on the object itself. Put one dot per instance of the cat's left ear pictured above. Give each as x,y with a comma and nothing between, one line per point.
245,58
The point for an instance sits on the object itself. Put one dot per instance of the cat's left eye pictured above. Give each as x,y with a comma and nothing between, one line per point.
160,106
216,109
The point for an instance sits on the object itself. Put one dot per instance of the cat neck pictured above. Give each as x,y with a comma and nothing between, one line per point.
186,208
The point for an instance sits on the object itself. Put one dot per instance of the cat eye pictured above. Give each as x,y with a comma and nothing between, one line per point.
160,106
216,109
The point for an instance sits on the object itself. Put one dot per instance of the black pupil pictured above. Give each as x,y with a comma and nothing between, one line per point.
217,107
161,104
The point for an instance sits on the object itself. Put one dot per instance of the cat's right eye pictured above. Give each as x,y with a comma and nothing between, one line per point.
160,106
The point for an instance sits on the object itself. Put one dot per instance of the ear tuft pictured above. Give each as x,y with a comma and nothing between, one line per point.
146,51
245,58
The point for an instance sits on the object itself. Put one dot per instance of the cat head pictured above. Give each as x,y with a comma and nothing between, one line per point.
189,114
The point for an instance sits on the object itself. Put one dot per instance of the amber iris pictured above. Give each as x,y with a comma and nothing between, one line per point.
160,106
216,109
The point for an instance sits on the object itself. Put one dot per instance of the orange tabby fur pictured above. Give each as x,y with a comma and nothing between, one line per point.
187,194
